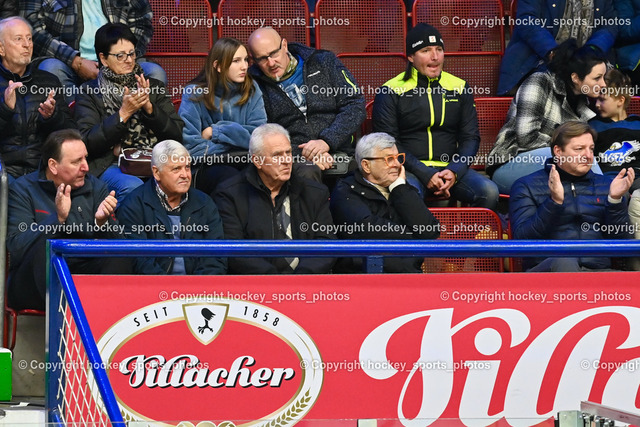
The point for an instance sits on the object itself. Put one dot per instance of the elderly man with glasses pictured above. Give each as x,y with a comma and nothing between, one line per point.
311,94
377,203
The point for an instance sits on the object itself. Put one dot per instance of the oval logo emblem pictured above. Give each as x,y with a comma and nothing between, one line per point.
183,363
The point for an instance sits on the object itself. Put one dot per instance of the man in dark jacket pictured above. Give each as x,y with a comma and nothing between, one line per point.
60,201
267,201
31,101
377,203
165,207
566,200
310,93
432,115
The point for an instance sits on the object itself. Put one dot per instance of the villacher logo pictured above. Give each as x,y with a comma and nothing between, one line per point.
186,362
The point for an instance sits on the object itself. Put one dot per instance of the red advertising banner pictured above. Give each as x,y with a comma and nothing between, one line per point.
418,350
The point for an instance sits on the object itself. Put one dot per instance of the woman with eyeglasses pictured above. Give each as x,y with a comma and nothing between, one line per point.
221,108
122,109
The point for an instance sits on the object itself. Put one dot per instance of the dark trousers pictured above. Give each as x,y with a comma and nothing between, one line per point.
28,280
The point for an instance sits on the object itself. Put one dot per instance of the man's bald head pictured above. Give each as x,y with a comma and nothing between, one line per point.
269,51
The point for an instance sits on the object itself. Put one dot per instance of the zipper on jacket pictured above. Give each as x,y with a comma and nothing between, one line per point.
573,189
430,136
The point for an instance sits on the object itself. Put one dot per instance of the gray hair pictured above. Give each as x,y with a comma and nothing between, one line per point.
7,21
256,143
369,144
167,150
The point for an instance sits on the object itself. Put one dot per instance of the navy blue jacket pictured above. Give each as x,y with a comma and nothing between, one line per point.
33,214
199,219
585,210
628,42
532,40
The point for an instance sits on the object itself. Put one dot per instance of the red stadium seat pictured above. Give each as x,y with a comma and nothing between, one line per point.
357,26
367,125
181,26
181,69
481,71
465,25
466,224
634,106
372,70
289,17
11,323
11,316
492,114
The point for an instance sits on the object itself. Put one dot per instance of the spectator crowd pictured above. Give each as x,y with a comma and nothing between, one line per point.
95,148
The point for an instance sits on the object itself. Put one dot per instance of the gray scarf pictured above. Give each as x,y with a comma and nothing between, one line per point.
580,14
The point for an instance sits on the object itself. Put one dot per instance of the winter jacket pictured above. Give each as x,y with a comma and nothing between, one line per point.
58,24
248,213
540,105
231,128
364,213
199,220
32,213
335,104
24,130
101,132
433,119
585,211
536,36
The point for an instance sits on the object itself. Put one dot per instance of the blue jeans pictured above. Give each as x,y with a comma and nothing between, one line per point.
473,188
525,164
119,182
70,80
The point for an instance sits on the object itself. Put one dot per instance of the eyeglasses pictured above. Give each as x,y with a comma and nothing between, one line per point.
262,59
121,57
390,159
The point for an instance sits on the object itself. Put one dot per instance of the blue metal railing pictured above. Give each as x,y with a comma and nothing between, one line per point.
372,250
349,248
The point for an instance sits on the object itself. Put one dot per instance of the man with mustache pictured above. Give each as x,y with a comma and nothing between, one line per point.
165,207
267,201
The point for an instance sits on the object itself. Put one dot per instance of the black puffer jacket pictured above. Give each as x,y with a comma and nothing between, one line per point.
23,130
362,212
335,104
101,132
